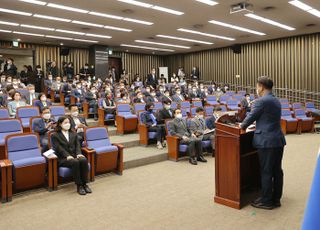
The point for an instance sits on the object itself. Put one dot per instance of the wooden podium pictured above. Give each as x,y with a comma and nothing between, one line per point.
236,163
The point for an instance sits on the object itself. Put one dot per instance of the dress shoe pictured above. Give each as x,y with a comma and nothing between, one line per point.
95,118
277,204
257,201
193,161
81,190
87,189
202,159
262,205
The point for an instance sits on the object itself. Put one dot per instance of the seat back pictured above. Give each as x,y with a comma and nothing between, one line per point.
138,107
9,126
310,105
96,137
22,146
238,97
158,106
232,102
230,93
4,113
123,108
223,108
284,100
27,112
185,104
197,103
297,105
34,101
285,113
185,111
193,111
34,120
224,98
211,98
57,111
209,110
285,106
241,92
300,113
174,105
24,92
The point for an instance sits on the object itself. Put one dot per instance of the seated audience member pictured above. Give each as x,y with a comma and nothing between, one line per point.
149,119
77,123
67,148
109,105
124,98
178,97
179,128
246,102
139,98
194,94
43,126
15,84
92,98
42,101
79,92
199,128
166,96
49,81
15,103
57,85
210,122
165,113
32,94
152,97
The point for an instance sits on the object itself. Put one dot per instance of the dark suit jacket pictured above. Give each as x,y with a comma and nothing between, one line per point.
64,148
164,114
195,74
266,112
152,81
210,122
73,124
146,118
39,126
40,105
179,128
12,71
244,103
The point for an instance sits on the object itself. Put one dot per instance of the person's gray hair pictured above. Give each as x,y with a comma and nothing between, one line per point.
30,85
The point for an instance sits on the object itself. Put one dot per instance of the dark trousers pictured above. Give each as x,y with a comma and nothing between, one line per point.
271,174
194,146
79,169
160,130
94,105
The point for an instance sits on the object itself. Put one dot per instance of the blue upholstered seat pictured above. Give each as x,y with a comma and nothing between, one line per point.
297,105
197,103
301,114
185,104
9,127
287,115
25,113
151,135
139,107
57,111
4,113
224,99
212,100
209,110
123,110
98,139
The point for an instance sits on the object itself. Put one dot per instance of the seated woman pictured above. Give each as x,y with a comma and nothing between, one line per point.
66,145
15,103
149,119
43,102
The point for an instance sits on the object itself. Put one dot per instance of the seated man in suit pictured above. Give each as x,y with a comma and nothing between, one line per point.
194,94
165,113
139,98
78,93
166,96
211,121
92,98
77,123
178,97
199,129
57,85
32,94
43,126
149,119
179,128
246,103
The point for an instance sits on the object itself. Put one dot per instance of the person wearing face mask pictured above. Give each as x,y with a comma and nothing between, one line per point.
152,79
53,69
77,123
9,68
78,93
15,104
179,128
166,96
199,128
49,81
38,78
42,102
85,71
32,95
195,74
212,89
152,98
67,147
246,102
269,140
165,113
43,126
109,105
15,83
178,97
174,77
149,119
92,98
211,121
194,94
139,98
69,71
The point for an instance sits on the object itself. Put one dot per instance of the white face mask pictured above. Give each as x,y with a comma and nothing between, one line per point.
153,94
32,91
46,116
167,95
75,114
179,116
66,126
178,92
167,106
200,116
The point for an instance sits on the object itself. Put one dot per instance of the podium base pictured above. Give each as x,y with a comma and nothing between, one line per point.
227,202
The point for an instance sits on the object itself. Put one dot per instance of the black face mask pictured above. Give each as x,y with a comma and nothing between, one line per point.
150,110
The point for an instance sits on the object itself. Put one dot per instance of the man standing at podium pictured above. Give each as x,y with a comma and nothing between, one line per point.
269,141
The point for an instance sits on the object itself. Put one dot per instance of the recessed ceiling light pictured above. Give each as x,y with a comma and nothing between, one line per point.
30,34
147,48
98,36
15,12
34,2
163,44
37,27
206,34
9,23
51,18
305,7
18,39
106,15
208,2
269,21
184,39
138,21
5,31
136,3
61,44
167,10
83,40
58,37
70,32
62,7
117,28
87,23
236,27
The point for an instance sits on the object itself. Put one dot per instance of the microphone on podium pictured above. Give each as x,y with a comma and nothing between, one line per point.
311,219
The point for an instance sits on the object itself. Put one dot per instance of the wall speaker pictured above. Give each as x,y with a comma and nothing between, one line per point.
236,49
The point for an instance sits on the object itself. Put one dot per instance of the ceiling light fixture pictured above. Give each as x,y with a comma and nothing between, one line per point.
62,7
305,7
136,3
184,39
70,32
163,44
15,12
269,21
59,37
51,18
236,27
147,48
37,27
138,21
117,28
83,40
34,2
98,36
5,31
87,23
106,15
167,10
206,34
208,2
29,34
9,23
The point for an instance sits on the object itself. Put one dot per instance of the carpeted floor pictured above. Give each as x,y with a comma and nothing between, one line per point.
165,195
